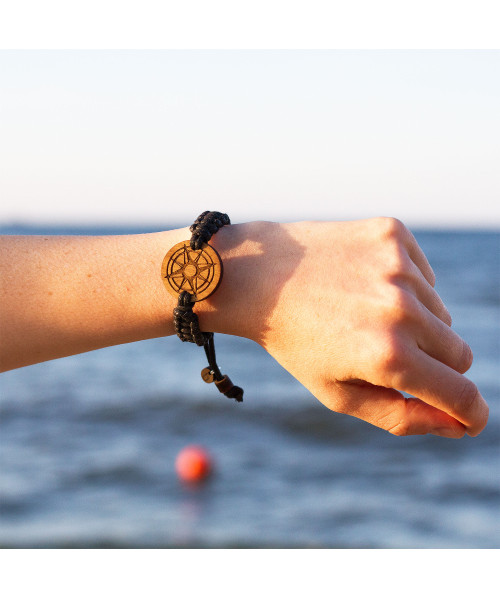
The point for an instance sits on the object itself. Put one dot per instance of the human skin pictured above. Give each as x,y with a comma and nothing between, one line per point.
348,308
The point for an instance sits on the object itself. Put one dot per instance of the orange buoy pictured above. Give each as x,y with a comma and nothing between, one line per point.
193,464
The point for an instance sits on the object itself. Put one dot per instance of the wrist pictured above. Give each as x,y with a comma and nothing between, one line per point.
252,254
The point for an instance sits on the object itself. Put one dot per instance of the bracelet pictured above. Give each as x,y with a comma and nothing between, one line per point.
192,271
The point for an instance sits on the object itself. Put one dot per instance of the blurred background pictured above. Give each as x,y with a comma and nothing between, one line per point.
95,142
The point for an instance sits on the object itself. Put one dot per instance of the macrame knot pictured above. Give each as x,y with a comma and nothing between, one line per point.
186,323
206,225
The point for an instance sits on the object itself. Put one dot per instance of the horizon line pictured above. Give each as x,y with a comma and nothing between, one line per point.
178,223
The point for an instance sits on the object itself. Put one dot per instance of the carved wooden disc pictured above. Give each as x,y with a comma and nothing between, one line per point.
198,272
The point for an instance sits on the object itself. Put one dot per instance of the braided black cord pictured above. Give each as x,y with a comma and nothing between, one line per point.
186,321
206,225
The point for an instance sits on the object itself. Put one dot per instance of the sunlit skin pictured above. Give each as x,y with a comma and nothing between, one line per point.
348,308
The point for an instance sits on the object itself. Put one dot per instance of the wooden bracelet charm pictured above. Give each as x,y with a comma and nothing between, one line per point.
199,272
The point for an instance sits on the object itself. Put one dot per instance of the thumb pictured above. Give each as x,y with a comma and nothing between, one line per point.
390,410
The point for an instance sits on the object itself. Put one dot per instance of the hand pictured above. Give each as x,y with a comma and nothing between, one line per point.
350,310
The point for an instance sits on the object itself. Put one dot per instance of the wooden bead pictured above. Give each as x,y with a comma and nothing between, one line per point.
224,384
207,375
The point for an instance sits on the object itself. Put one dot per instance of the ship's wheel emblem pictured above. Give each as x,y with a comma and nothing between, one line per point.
198,272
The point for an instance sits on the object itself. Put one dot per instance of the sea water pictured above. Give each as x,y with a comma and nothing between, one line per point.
88,444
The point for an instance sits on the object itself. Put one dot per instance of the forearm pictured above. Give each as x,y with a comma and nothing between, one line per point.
66,295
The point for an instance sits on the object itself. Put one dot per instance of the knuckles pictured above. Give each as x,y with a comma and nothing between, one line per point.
391,361
391,352
398,306
395,266
389,227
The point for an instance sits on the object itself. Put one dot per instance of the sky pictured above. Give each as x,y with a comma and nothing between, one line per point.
145,136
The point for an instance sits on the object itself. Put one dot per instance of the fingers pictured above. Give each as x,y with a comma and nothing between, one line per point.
440,342
420,354
418,257
408,267
435,376
394,231
390,410
444,388
415,282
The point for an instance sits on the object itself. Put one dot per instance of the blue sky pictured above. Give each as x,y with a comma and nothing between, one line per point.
159,136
